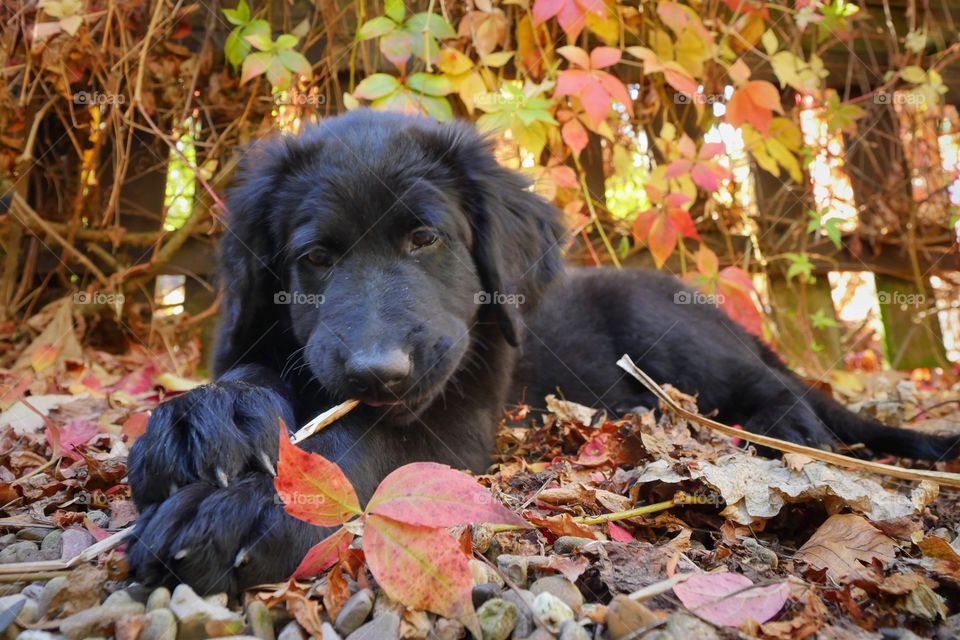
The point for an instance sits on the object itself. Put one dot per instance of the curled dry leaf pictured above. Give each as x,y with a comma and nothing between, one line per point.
757,488
843,542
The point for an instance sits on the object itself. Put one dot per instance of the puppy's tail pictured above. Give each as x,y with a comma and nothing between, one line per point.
906,443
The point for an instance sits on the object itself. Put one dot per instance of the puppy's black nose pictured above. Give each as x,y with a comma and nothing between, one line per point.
378,371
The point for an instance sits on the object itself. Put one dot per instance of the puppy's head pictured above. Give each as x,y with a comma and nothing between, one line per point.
382,242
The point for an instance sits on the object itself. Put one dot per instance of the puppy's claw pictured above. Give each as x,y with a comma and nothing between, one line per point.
242,558
222,478
180,555
174,488
267,464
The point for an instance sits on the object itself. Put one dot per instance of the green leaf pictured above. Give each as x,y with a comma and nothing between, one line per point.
239,16
913,74
395,9
285,41
255,64
437,108
376,86
278,75
295,62
236,48
800,267
820,320
430,84
376,27
257,33
435,24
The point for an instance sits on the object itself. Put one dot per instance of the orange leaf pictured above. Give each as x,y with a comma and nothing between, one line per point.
434,495
575,135
324,554
313,488
421,567
755,103
44,356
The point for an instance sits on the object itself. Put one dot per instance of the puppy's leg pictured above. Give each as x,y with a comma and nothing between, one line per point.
219,539
212,434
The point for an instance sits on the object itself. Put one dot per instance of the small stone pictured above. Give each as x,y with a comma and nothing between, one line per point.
50,591
685,625
482,537
74,541
354,612
570,630
483,573
483,592
199,618
7,539
562,588
24,551
159,599
35,534
385,603
292,631
514,568
10,608
385,627
328,632
568,544
551,611
259,620
117,598
447,629
36,634
97,621
497,619
624,616
99,518
540,634
52,545
218,599
161,625
523,599
30,612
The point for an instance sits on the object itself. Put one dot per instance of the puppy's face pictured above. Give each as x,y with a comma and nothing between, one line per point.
380,281
386,246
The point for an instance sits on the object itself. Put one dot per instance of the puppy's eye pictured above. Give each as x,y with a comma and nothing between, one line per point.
320,257
422,238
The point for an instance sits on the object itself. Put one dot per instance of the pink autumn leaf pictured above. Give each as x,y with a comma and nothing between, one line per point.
618,533
596,89
571,14
324,554
727,599
604,57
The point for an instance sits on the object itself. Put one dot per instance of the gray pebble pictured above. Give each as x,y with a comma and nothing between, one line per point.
570,630
562,588
52,544
30,612
159,599
498,618
514,568
200,618
53,587
483,573
117,598
292,631
523,600
385,627
97,621
35,534
73,542
23,551
10,608
551,611
328,632
259,621
447,629
161,625
568,544
36,634
7,539
99,518
354,612
483,592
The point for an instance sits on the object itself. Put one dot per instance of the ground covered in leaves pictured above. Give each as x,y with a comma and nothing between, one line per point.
649,527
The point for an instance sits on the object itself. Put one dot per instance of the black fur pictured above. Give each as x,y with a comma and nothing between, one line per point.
425,336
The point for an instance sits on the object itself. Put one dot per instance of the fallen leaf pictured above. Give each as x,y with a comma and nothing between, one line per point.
843,542
730,599
324,554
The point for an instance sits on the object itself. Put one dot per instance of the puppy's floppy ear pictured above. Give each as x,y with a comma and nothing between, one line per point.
517,234
250,269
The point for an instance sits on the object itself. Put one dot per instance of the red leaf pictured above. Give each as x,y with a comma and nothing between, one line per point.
604,57
324,554
313,488
421,567
596,101
683,223
71,435
755,103
662,239
618,533
575,135
434,495
724,598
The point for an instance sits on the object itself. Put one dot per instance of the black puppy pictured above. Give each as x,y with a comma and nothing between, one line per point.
391,259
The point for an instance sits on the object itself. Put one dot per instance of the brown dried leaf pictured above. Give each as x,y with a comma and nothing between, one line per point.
843,541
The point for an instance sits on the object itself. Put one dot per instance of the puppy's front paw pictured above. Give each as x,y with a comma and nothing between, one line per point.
212,434
219,539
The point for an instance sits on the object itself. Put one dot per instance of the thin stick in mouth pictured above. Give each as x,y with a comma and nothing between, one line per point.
324,419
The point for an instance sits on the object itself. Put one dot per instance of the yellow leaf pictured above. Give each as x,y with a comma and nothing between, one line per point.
469,88
769,42
453,62
607,28
690,51
784,158
787,132
497,59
